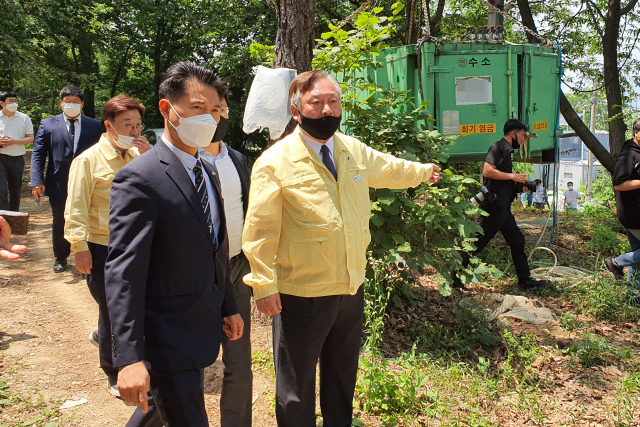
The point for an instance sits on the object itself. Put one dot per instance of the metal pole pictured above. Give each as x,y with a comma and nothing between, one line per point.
495,18
592,126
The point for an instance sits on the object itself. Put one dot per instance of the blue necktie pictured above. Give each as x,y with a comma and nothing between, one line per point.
326,159
72,133
203,195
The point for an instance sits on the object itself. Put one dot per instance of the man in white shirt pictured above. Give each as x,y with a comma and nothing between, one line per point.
571,198
16,130
237,392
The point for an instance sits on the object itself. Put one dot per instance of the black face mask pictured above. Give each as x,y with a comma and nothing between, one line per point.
322,128
221,129
514,142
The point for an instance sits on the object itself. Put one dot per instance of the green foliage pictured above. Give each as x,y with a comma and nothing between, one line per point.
569,322
593,350
521,353
426,226
525,168
626,399
605,241
263,361
604,299
602,189
473,325
386,390
598,212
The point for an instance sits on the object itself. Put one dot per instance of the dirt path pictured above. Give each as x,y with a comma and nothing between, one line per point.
45,319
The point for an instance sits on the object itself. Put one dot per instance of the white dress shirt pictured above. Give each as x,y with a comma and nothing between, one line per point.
77,129
231,193
316,146
17,126
189,162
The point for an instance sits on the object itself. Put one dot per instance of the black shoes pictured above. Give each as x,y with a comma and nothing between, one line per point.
614,268
532,284
60,265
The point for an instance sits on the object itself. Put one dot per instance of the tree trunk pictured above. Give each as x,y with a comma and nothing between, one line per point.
296,35
572,118
88,66
617,127
294,41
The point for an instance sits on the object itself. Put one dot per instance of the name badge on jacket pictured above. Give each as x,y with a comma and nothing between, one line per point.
357,178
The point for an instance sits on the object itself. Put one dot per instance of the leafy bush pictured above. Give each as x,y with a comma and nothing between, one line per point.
602,189
473,325
604,299
569,322
606,241
599,212
385,391
595,350
422,227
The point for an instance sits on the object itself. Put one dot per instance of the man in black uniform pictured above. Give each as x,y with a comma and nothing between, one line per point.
501,181
626,183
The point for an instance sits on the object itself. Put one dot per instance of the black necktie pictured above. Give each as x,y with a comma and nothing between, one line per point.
326,159
203,195
72,132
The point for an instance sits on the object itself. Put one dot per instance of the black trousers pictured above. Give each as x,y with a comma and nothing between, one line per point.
95,281
308,329
178,401
501,219
61,248
237,384
11,169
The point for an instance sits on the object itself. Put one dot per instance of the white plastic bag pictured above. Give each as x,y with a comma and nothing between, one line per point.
268,101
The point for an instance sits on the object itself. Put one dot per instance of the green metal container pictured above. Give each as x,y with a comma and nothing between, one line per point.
476,92
474,88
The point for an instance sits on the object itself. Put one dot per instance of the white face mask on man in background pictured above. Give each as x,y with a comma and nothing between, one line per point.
570,187
72,110
12,107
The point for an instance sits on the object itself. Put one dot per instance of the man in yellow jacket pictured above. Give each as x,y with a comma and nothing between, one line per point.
305,236
87,209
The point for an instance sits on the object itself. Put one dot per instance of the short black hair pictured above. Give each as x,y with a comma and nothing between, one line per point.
636,126
174,83
569,183
9,94
514,124
72,91
537,181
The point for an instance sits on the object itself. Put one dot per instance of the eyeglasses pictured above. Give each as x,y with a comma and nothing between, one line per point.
131,128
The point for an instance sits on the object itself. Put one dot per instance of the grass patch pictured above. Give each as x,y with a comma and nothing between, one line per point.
263,361
29,409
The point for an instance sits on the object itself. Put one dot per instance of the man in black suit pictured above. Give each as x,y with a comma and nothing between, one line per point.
61,139
167,274
237,385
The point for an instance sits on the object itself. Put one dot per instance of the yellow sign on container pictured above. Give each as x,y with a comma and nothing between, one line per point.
540,126
482,128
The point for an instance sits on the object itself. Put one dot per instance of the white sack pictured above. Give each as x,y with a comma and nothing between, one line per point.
268,101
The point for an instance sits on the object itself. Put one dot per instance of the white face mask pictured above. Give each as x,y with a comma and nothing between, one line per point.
12,107
196,131
71,110
570,187
124,142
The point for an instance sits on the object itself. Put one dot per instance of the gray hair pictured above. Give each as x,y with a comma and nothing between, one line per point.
303,82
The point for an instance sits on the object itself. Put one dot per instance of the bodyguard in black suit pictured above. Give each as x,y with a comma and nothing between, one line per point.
60,139
167,273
